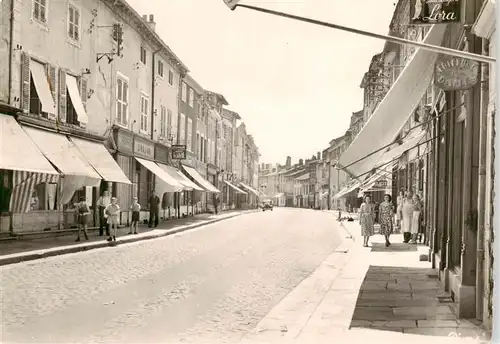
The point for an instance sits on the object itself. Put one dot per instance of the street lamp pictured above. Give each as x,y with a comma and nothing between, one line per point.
232,4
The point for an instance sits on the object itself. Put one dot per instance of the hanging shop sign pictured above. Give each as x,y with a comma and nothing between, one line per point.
179,152
455,73
161,153
381,184
124,142
434,11
143,148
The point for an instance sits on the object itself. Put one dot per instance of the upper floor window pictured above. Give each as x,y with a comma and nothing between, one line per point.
40,9
163,121
144,112
160,68
122,101
169,123
143,55
191,97
184,92
170,77
73,23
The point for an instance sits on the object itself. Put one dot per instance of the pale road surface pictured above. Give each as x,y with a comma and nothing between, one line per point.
212,284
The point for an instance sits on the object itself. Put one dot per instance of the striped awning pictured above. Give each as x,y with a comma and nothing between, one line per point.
23,187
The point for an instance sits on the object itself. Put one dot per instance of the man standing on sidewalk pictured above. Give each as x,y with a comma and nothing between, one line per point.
216,204
102,203
154,209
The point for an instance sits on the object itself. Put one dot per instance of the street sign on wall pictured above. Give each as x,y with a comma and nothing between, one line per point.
179,152
434,11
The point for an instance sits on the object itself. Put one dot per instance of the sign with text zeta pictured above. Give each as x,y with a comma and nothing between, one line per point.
434,11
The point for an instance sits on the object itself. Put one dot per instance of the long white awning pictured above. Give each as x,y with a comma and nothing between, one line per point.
200,180
62,153
397,151
390,116
172,185
180,177
235,187
76,99
249,188
17,151
98,156
40,80
383,172
347,189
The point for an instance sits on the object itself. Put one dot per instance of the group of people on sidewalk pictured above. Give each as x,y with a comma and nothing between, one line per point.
109,212
408,215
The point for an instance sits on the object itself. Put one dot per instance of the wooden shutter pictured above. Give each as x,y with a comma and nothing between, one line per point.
25,83
83,92
62,95
51,76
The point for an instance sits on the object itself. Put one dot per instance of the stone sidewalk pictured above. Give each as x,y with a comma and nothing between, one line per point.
374,294
15,251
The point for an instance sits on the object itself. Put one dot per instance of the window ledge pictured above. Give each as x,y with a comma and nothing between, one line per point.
41,25
75,44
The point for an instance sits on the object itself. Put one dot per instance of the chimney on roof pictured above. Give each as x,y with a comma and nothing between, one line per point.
288,161
301,162
319,155
150,21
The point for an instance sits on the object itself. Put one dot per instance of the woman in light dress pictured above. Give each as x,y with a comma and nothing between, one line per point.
386,211
399,209
407,212
367,219
415,221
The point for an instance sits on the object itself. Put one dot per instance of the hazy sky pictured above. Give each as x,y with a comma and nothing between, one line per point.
295,84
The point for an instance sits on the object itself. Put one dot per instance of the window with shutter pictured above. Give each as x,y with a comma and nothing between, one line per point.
163,120
144,113
83,92
26,81
62,95
51,77
121,101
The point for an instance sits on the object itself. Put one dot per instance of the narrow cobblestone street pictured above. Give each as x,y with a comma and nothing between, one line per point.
210,284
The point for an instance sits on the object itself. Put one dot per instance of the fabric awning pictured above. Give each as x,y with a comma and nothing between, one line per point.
349,188
235,187
303,177
397,151
172,185
62,153
249,188
383,172
278,195
41,82
76,99
29,158
200,180
187,184
390,116
98,156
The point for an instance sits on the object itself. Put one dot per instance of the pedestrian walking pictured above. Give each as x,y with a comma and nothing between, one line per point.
367,219
136,211
102,203
415,221
154,209
82,213
399,209
386,213
216,204
111,212
407,212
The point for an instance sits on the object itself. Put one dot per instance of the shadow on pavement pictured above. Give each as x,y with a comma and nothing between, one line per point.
409,300
395,247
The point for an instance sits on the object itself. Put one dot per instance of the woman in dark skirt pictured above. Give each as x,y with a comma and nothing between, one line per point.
83,211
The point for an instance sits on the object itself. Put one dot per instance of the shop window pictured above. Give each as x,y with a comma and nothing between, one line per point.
5,190
44,197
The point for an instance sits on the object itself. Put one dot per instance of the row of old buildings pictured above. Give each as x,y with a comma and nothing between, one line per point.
427,126
93,99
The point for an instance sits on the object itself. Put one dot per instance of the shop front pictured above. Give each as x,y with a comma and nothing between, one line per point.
136,157
44,200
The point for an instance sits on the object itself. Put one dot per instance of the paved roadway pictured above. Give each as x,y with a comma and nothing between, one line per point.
212,284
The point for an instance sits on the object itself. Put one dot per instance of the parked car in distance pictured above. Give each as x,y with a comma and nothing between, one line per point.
267,206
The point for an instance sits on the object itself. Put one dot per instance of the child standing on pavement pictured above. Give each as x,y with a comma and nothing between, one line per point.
112,211
82,213
136,208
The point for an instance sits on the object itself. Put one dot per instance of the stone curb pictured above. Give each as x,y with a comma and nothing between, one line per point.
39,254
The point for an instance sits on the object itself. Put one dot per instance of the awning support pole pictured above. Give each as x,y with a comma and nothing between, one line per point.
397,40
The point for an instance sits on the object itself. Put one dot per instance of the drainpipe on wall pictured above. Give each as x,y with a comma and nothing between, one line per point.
11,52
482,185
